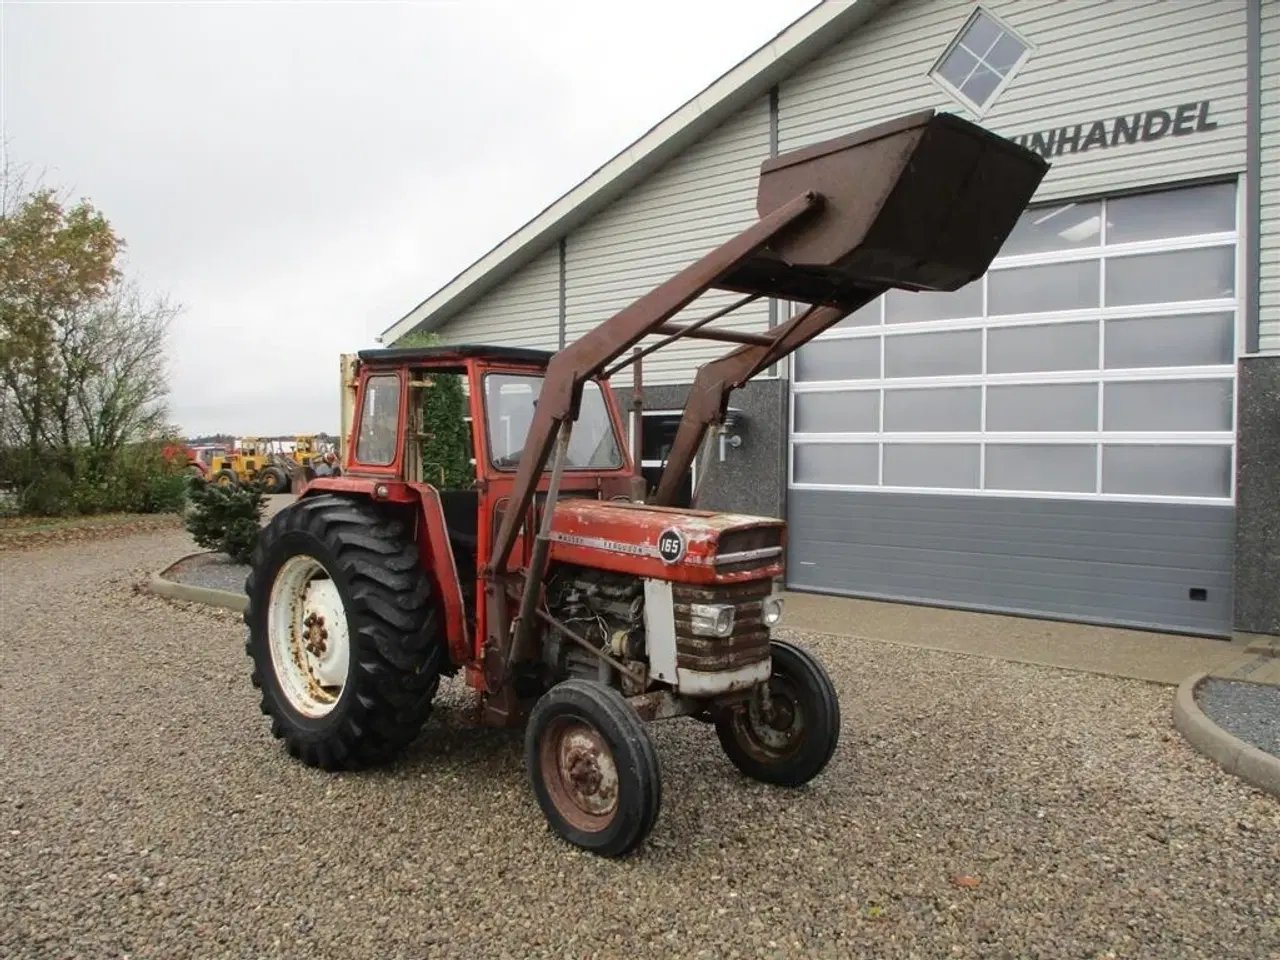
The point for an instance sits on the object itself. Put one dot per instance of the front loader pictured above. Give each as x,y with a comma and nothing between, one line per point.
573,607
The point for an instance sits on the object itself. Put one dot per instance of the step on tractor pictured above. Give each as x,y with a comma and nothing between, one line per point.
574,605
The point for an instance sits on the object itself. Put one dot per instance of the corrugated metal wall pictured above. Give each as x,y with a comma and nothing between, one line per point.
523,312
692,205
1093,61
1270,238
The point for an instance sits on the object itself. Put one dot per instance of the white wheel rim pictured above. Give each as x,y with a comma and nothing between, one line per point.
307,634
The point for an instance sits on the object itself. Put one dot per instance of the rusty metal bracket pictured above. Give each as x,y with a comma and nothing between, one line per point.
639,354
716,379
523,625
664,705
724,336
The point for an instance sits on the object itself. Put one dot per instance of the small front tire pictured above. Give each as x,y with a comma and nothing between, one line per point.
794,744
593,767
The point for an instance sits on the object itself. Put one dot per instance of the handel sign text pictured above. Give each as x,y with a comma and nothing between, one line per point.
1144,126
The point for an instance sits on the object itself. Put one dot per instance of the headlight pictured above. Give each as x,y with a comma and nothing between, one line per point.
771,610
712,619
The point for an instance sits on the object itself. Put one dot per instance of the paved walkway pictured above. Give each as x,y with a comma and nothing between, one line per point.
1114,651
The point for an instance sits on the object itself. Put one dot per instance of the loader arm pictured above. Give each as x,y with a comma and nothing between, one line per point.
561,391
920,203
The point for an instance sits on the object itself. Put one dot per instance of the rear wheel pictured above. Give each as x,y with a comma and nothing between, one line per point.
593,767
343,632
789,740
226,478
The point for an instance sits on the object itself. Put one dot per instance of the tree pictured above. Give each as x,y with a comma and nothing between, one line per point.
55,260
82,358
116,377
446,448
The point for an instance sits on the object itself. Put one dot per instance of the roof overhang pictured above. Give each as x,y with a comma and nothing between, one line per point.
800,42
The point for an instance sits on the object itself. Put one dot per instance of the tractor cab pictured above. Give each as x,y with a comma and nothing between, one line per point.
455,419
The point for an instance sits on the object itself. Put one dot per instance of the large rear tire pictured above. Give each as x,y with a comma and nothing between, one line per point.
593,767
343,631
793,742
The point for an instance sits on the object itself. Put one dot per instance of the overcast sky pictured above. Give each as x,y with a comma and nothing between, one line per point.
300,174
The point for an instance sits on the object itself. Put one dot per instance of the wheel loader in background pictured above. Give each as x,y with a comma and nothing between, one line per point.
268,462
574,608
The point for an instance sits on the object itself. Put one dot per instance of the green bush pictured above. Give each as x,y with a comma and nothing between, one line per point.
226,519
49,494
143,481
138,479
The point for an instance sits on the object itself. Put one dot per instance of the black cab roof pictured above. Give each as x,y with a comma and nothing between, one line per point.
457,351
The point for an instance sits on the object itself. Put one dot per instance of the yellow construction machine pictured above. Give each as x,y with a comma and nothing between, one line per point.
278,465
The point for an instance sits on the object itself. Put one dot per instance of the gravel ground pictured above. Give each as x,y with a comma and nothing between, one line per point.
975,809
1250,711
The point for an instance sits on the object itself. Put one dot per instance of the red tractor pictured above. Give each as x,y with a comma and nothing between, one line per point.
571,605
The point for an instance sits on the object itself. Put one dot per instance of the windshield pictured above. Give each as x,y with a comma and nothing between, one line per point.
509,403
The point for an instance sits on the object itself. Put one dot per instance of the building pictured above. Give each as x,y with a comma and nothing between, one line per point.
1091,431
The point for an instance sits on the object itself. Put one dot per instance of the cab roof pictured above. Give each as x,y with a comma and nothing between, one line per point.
394,356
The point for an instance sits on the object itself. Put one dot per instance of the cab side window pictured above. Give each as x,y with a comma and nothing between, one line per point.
376,442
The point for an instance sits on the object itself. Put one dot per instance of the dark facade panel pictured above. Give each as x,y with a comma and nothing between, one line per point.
751,478
1119,563
1258,497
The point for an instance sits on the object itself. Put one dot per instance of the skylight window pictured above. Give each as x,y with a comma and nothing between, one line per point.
979,62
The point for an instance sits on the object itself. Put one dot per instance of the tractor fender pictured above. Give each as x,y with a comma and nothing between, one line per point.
433,544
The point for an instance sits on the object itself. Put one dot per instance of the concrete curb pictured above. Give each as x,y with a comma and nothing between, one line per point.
1243,760
1265,647
163,587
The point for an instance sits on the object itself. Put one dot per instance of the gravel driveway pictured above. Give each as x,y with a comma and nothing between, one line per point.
146,812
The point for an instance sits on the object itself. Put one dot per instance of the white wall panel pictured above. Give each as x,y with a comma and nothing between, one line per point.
523,312
686,209
1092,61
1270,238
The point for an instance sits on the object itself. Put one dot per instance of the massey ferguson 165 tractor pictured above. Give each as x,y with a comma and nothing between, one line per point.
573,606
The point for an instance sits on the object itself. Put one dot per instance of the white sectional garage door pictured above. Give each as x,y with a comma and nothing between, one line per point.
1055,439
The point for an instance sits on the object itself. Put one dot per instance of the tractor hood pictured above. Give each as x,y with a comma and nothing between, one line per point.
668,543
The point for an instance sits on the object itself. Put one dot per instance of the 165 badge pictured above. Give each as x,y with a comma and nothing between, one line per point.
671,545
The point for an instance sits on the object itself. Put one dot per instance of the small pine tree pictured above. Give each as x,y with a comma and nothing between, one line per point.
226,519
446,448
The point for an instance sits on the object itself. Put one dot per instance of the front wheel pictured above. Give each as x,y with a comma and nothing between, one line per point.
593,767
789,740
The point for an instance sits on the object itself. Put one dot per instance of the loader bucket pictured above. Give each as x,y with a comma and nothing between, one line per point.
923,202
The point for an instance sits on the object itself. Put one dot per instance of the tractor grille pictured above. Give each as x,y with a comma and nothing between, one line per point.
753,538
748,549
749,642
